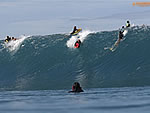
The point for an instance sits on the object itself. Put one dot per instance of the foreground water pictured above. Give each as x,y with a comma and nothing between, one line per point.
104,100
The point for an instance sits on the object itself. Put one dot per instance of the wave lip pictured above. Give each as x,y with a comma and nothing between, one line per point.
13,46
82,36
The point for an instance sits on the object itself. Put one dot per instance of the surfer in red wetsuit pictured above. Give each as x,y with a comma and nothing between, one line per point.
77,44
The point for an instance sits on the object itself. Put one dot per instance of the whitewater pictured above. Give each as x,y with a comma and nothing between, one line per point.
36,73
51,62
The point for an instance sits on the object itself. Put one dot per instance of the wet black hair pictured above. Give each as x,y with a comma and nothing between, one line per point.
77,84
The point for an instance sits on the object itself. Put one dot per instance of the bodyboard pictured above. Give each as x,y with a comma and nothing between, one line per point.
76,32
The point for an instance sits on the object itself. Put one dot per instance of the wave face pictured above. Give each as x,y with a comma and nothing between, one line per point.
50,62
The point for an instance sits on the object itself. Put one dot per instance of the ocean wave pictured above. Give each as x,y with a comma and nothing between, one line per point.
49,62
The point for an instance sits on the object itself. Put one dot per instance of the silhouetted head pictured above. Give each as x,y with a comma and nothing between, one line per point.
76,88
127,21
122,26
76,84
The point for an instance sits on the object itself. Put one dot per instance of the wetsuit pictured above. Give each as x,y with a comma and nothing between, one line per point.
74,30
120,35
8,39
76,88
127,25
77,44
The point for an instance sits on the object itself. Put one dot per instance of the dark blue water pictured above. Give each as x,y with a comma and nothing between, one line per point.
46,62
95,100
36,72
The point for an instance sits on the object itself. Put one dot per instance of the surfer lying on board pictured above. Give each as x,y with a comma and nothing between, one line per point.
77,44
8,38
76,88
13,38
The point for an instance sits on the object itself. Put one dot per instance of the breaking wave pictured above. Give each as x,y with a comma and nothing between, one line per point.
51,62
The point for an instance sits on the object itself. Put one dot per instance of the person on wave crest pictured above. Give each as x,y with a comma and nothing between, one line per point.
77,44
14,38
120,35
75,31
76,88
127,24
9,39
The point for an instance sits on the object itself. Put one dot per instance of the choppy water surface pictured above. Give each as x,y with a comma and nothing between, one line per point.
105,100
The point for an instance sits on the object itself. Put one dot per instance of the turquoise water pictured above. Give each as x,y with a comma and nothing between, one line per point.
95,100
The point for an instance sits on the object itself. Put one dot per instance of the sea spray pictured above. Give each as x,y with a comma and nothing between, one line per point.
82,36
45,62
14,45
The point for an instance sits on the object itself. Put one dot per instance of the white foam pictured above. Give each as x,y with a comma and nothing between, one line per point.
125,32
13,46
82,36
